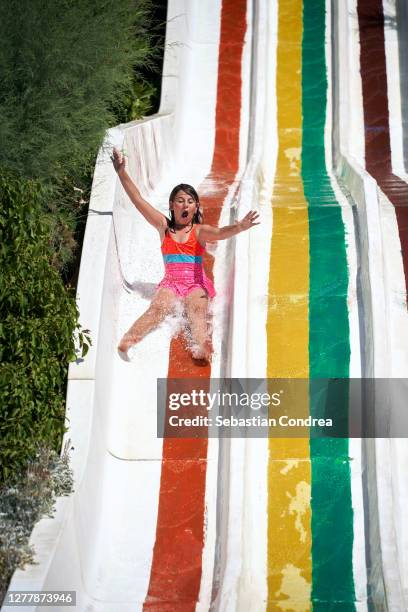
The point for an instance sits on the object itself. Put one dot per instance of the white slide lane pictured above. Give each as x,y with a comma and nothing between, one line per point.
100,542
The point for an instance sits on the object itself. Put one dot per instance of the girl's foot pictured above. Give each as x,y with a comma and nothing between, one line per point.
123,355
202,363
202,352
198,353
123,347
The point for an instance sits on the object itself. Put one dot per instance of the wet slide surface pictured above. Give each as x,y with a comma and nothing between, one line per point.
376,115
177,557
329,333
310,517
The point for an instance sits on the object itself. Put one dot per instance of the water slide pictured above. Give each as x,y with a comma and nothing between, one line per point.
296,109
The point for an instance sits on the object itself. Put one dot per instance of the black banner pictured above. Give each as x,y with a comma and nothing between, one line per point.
282,408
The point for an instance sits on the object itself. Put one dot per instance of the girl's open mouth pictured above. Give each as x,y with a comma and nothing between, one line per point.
184,214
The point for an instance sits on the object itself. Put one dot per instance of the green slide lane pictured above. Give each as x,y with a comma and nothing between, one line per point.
329,337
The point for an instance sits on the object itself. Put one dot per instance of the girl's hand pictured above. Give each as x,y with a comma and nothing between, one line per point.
250,220
118,160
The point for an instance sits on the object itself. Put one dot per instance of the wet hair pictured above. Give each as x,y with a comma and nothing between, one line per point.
197,218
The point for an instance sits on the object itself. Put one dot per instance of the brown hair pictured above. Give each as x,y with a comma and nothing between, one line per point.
197,218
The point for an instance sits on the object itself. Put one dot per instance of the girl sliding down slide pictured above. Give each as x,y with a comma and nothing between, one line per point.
183,238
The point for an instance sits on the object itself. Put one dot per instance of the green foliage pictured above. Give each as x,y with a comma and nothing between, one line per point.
136,102
38,317
68,207
26,498
63,68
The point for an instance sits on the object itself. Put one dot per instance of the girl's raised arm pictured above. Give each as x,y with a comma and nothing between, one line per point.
153,216
211,233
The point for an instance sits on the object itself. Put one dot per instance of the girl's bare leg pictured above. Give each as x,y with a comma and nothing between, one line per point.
162,305
196,304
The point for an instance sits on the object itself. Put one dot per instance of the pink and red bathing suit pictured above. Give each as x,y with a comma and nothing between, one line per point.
183,264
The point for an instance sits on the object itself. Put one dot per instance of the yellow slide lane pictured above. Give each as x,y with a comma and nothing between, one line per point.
289,471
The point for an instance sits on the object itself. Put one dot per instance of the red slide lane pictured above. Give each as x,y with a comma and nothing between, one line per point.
376,116
177,556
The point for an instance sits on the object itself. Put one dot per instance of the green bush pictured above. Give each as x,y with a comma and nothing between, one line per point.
68,207
38,317
66,68
25,499
68,71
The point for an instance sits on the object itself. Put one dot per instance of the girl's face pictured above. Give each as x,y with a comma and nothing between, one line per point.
184,207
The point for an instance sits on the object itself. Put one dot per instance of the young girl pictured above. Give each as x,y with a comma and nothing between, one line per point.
183,238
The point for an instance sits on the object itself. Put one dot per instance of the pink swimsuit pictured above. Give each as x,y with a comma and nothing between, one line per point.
183,264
